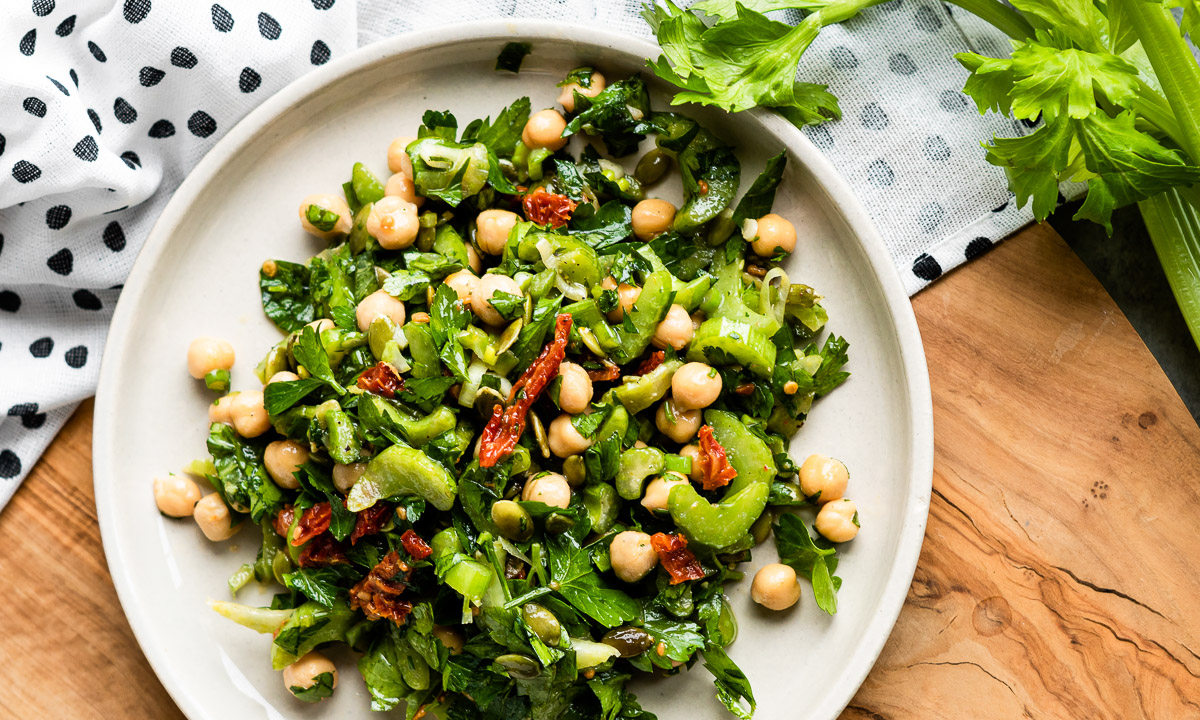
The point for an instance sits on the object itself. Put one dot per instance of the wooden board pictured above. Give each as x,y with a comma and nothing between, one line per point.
1057,578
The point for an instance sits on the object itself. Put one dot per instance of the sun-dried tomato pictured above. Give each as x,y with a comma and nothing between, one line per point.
715,470
283,520
649,364
381,379
507,424
546,208
369,521
323,550
313,522
415,546
678,561
378,594
609,370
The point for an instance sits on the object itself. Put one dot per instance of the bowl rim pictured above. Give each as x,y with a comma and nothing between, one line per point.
898,308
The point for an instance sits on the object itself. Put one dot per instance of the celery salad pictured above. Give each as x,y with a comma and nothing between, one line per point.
527,420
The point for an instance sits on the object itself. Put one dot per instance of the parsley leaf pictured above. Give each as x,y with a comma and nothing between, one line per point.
761,196
310,353
798,549
508,305
511,56
320,218
285,294
279,396
732,685
586,424
620,115
581,586
404,285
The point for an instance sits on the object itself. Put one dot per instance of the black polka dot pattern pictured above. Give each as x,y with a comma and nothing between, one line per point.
136,11
86,149
96,52
61,88
901,64
953,101
819,135
86,300
221,19
26,408
150,76
928,18
74,77
181,57
10,464
131,159
95,118
124,111
843,58
114,237
41,348
26,172
269,27
320,53
930,216
162,129
873,117
42,8
9,301
201,124
62,262
936,149
34,106
66,27
880,174
977,247
322,4
28,43
926,268
33,421
58,216
76,357
3,143
249,80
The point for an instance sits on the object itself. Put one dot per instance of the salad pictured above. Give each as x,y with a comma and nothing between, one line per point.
526,420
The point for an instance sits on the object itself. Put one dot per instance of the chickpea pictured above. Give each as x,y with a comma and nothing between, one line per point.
206,354
464,283
551,489
481,300
220,410
401,185
320,326
695,386
304,672
544,130
824,477
564,439
176,495
658,492
212,515
692,452
397,155
283,458
566,98
652,217
450,637
393,222
838,521
376,304
473,261
631,555
329,203
248,415
774,233
344,476
775,587
627,295
684,425
492,228
575,393
675,331
283,376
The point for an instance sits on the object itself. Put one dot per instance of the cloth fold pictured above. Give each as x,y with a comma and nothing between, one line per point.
106,106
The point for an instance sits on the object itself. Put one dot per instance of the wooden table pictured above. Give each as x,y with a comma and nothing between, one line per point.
1059,576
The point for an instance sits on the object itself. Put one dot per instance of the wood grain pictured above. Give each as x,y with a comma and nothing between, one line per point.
1057,578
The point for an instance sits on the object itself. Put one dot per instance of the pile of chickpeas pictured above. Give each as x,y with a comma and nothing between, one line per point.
393,222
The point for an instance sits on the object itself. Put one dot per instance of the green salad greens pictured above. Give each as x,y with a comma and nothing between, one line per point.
526,422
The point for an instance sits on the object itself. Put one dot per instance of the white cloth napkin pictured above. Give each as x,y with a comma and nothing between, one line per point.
106,105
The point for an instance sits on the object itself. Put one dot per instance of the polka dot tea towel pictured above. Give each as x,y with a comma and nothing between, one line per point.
106,105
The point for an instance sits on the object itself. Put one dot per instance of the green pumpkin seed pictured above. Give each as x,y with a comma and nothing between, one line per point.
543,623
512,520
519,666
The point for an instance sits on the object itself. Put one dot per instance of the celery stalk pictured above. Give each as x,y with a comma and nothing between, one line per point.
1174,226
1001,16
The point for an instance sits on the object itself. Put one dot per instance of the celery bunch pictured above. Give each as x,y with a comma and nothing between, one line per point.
1112,81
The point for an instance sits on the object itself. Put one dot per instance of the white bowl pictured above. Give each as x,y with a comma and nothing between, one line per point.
197,275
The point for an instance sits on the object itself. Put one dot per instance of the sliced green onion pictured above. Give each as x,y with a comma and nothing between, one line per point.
470,578
677,463
240,578
217,380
